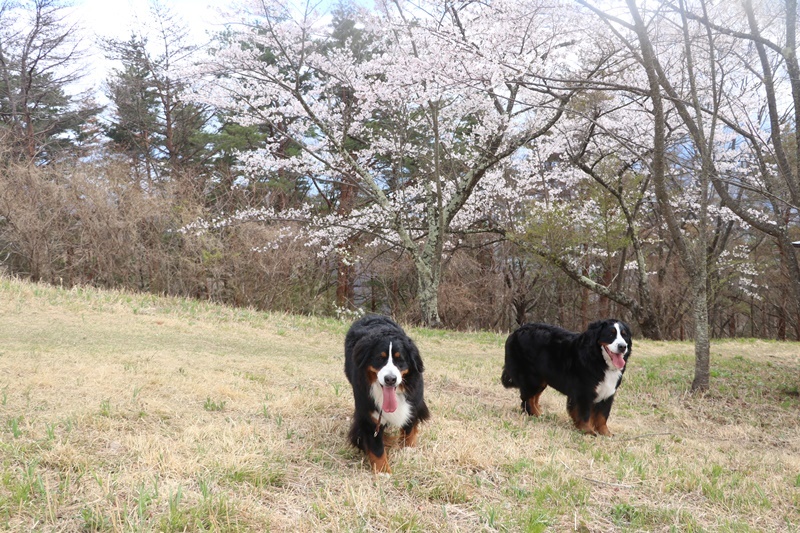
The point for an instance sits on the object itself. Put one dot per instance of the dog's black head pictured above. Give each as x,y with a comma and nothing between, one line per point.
390,361
613,337
390,355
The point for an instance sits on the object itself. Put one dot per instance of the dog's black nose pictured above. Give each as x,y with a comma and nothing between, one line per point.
622,348
389,380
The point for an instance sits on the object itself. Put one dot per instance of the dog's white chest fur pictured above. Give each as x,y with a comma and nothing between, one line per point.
402,414
608,386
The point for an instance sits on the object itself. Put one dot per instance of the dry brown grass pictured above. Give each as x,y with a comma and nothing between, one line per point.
123,412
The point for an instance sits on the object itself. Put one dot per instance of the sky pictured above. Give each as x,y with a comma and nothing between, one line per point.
102,19
115,18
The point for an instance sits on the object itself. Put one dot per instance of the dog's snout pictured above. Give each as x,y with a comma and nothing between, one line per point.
621,347
390,380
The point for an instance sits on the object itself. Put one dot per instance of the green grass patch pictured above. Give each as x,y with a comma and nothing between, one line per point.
644,517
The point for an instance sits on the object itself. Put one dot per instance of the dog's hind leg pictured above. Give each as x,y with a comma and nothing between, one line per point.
408,435
530,397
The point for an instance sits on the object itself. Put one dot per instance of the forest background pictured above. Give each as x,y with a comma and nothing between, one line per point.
455,164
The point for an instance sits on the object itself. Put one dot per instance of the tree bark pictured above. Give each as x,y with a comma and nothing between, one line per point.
692,256
428,281
702,346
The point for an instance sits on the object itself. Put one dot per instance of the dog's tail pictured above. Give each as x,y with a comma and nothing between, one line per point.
509,368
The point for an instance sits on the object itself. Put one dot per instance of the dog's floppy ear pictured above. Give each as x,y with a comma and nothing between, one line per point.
588,341
592,332
416,358
362,351
595,327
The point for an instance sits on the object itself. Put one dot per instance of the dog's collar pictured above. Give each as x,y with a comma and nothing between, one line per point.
378,425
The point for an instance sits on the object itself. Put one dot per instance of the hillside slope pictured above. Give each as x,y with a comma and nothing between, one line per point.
123,412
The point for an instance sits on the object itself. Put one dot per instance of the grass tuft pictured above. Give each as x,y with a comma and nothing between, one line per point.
211,405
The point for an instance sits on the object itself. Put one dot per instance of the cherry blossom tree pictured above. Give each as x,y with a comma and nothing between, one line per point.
589,216
716,148
752,60
450,100
657,49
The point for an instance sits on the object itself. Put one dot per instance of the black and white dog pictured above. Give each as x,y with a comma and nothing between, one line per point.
586,367
385,370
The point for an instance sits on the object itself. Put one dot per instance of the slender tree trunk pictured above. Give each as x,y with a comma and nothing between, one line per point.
429,264
781,309
605,303
30,138
344,285
345,272
702,347
789,258
585,301
428,280
693,256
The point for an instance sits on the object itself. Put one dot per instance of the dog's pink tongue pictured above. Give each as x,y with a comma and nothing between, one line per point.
389,400
617,359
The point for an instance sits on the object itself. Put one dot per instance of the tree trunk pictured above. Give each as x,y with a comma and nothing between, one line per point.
648,323
702,357
693,255
585,301
344,282
428,296
345,272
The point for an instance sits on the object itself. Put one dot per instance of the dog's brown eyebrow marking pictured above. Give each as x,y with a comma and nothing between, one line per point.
384,354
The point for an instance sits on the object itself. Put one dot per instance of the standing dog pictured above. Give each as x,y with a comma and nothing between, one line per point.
586,367
385,369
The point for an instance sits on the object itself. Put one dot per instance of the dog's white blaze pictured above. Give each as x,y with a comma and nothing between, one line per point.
608,386
619,341
403,413
389,369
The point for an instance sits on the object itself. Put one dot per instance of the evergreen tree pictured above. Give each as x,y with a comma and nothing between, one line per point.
39,54
134,129
155,123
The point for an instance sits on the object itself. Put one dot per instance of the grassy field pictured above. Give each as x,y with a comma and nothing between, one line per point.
123,412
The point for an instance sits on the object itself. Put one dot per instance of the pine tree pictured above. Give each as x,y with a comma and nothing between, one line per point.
39,58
